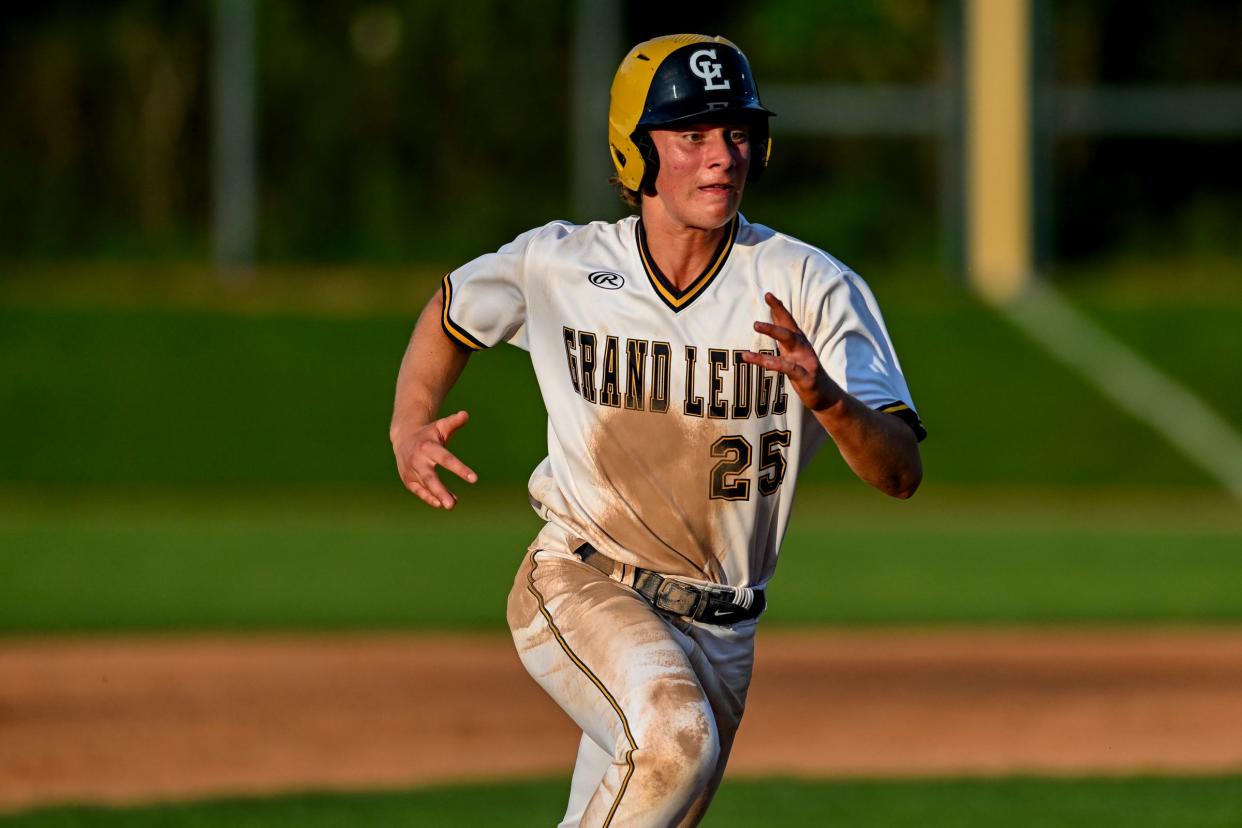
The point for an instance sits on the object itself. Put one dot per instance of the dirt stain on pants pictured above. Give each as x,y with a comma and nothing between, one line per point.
658,699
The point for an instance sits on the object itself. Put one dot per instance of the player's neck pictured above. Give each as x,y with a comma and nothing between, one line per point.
681,252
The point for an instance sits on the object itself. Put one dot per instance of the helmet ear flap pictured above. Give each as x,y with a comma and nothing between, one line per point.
762,143
651,161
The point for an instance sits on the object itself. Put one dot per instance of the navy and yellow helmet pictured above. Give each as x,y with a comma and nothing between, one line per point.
680,78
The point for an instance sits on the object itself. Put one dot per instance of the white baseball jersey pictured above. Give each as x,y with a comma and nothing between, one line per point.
665,449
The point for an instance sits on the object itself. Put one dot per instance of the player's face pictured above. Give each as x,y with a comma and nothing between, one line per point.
702,172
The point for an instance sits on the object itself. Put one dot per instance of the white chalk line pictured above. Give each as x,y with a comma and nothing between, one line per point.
1187,422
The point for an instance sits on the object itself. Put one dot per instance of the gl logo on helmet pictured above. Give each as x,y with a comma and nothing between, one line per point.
707,69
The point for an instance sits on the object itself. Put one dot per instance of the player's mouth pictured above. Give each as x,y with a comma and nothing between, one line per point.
719,188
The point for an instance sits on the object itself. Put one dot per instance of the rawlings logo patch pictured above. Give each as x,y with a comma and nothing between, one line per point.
607,280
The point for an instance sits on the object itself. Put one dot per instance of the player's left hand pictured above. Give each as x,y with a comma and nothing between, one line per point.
797,359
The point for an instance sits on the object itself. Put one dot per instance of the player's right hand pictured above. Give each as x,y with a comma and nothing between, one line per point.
421,450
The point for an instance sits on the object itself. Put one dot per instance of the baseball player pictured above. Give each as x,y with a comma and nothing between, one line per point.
691,364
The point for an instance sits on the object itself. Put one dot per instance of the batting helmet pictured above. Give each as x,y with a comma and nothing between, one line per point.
676,79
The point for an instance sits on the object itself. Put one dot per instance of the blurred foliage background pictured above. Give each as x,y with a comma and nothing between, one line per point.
428,131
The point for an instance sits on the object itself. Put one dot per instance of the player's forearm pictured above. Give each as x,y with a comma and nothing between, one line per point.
429,369
880,448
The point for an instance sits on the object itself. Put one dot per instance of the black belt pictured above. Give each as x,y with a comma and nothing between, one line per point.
709,604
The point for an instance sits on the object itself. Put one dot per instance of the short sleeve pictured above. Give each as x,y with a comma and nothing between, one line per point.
841,318
485,299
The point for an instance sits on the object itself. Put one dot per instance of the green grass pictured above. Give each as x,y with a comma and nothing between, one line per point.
1000,411
206,399
1198,345
1205,802
214,399
1011,567
1182,316
171,466
851,558
302,563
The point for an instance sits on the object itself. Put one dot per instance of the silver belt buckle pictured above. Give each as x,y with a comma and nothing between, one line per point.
681,599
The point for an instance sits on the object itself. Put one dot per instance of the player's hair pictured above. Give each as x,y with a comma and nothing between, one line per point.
632,198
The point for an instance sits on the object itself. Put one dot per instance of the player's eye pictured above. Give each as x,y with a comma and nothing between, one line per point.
694,137
739,136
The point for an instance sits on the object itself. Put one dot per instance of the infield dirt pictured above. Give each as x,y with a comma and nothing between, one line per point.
134,720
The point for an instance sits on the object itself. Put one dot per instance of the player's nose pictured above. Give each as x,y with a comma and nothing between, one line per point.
721,152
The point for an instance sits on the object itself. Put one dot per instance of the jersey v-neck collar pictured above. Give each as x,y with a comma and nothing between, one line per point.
670,295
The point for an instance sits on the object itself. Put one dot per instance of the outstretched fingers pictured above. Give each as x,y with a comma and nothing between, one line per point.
780,314
784,336
423,481
428,453
424,494
441,456
775,363
445,426
796,358
784,329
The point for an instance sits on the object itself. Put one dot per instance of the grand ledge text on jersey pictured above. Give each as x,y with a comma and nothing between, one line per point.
647,377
